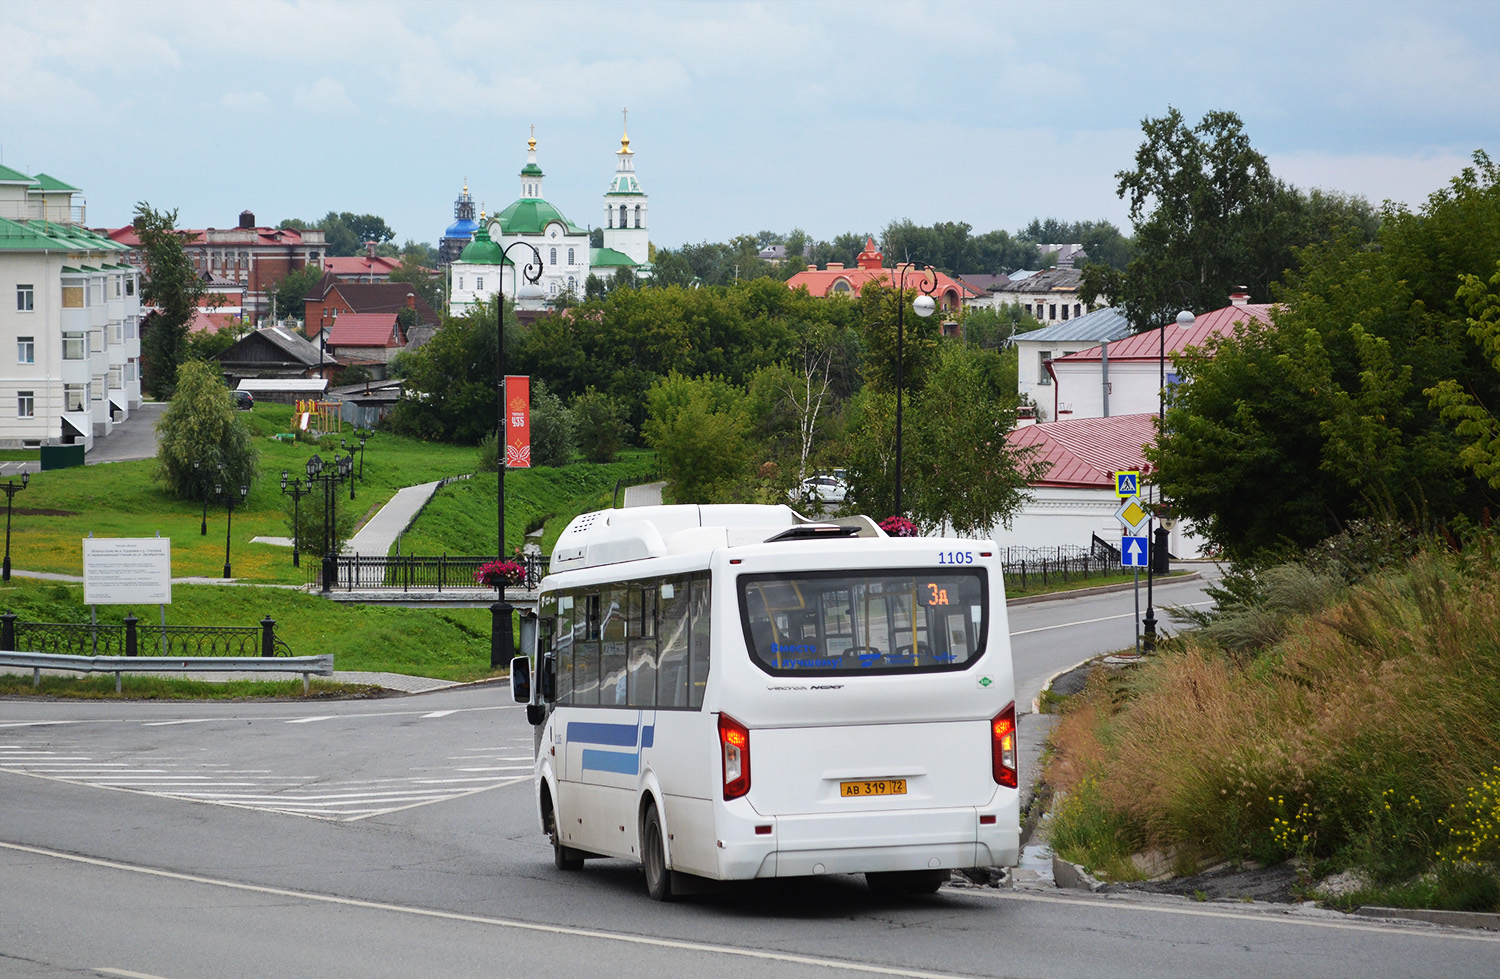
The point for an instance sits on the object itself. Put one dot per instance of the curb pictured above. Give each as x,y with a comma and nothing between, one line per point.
1481,920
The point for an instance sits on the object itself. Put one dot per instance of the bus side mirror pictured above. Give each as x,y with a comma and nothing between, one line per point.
520,680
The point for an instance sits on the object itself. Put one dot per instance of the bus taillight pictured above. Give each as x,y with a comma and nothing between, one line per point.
734,739
1002,746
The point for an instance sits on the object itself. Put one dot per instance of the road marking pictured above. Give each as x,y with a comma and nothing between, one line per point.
191,720
1105,618
309,720
125,973
474,919
439,713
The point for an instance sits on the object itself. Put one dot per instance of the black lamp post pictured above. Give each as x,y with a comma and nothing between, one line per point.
924,306
229,504
11,489
203,477
338,470
365,435
298,490
1157,538
531,274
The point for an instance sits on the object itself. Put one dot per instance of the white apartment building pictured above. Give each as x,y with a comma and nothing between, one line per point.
70,313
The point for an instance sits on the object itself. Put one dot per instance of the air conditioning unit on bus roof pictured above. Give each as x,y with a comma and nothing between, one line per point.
637,533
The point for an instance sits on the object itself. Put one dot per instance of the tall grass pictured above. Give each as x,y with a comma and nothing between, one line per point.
1352,736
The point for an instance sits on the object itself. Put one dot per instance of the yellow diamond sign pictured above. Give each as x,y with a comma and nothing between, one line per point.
1132,515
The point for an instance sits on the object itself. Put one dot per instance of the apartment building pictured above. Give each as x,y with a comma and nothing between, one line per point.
70,313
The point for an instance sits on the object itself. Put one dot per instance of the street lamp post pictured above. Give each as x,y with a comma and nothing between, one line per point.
229,504
11,489
203,477
298,491
343,444
339,469
924,306
1157,538
501,634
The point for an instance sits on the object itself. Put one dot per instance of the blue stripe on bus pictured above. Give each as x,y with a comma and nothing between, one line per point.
648,735
589,732
623,762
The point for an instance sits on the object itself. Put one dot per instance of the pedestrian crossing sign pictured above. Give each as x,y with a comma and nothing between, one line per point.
1128,483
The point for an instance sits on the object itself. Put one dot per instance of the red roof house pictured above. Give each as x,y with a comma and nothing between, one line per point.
836,279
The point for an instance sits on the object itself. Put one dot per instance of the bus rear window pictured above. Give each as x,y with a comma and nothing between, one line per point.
891,621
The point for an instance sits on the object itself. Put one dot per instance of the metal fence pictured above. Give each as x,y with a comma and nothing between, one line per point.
1028,566
408,572
132,638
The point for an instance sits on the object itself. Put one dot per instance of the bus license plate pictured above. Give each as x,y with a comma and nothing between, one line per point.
878,786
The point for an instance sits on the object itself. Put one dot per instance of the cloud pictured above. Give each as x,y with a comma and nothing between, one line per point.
323,95
1377,177
245,101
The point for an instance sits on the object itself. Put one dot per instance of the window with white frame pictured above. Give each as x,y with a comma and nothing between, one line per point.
75,397
116,378
460,283
117,333
130,325
1042,376
75,345
25,404
571,260
130,285
25,297
479,284
25,350
96,389
130,371
553,258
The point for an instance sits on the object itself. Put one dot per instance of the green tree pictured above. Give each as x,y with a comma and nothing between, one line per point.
1337,406
699,432
201,427
450,394
1460,404
345,233
991,327
291,291
415,270
881,320
174,287
844,248
599,427
551,432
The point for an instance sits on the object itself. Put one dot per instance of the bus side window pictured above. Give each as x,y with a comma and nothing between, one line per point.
672,676
586,673
613,673
642,688
563,644
701,633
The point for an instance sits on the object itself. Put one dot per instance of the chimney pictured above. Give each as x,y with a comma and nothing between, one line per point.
247,220
369,249
411,300
1240,296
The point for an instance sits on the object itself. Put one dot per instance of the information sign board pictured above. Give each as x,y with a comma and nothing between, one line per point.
127,571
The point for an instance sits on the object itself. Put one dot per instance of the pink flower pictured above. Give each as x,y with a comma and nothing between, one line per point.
899,527
497,574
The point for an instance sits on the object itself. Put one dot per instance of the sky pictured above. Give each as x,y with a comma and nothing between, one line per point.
744,116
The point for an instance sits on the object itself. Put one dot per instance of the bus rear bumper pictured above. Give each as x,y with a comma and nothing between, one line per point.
808,845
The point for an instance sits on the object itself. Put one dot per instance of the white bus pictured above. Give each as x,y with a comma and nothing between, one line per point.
732,692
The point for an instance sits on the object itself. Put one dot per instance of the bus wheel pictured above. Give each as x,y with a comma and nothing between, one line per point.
654,858
906,881
563,857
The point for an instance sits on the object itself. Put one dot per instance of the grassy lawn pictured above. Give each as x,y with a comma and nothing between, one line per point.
61,507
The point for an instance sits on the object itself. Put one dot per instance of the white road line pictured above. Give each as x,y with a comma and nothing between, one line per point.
191,720
438,713
309,720
1106,618
124,973
675,944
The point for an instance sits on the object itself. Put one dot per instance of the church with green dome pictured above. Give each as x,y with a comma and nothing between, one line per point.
489,261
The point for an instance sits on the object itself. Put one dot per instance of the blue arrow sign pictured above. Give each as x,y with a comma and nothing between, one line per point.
1133,552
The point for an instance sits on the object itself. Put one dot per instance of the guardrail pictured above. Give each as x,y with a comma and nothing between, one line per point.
408,572
90,647
321,664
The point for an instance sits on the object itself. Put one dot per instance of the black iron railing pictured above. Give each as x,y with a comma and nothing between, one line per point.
1030,566
408,572
134,638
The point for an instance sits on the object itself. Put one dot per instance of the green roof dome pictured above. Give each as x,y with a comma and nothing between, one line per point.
482,251
530,215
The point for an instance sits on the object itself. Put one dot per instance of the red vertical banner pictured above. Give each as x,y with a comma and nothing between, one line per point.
518,422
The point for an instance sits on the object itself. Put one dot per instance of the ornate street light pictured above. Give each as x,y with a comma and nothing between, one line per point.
531,274
11,489
1157,538
229,504
344,444
298,490
204,475
924,306
339,469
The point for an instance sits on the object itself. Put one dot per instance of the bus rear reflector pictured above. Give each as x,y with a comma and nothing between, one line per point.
734,741
1002,746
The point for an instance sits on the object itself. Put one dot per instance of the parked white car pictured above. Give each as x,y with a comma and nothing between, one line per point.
821,488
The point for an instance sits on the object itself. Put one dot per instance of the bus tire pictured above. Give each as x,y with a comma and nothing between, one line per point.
654,857
563,857
906,881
